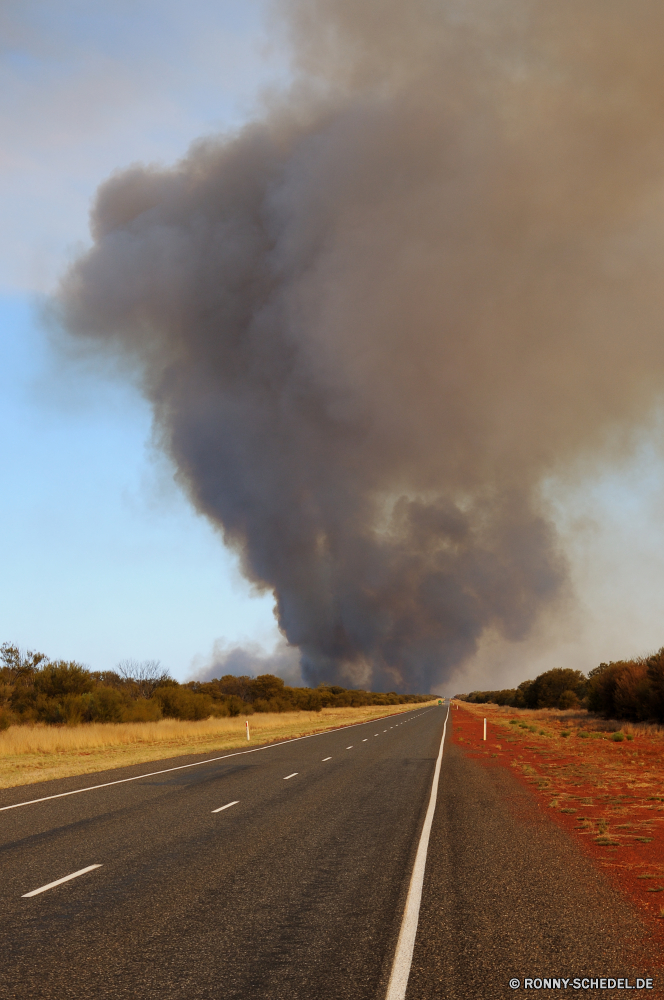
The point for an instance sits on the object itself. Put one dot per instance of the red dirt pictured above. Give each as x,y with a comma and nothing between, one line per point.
608,796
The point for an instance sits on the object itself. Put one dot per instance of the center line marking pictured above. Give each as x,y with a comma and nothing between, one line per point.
227,806
364,741
350,747
59,881
291,775
327,758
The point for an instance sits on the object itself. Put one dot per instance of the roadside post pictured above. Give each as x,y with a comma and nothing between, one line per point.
247,725
484,737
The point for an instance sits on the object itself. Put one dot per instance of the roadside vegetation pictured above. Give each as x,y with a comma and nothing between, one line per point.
601,780
35,690
632,690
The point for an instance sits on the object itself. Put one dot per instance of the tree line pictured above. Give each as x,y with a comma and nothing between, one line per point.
34,689
625,689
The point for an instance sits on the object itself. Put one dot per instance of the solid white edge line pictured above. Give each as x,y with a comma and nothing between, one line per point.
196,763
324,759
403,956
291,775
227,806
59,881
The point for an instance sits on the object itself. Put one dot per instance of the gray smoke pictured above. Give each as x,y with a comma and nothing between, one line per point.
250,659
372,322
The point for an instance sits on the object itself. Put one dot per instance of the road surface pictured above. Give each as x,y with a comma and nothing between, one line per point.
296,889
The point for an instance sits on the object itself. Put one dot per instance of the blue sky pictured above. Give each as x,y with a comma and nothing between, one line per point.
102,557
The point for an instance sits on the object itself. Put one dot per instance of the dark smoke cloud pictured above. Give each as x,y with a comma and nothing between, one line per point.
373,322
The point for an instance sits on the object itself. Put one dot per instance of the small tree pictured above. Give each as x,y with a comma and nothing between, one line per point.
16,663
62,678
147,676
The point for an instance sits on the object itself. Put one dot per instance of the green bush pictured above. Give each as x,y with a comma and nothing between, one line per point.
105,704
62,678
568,699
234,705
629,689
180,703
143,710
557,688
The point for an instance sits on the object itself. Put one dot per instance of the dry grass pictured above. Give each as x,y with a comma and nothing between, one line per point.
38,753
607,793
574,718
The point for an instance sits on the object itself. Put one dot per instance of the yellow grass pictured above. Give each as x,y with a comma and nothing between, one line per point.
38,753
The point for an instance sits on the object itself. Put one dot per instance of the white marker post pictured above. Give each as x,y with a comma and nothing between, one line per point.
247,725
484,728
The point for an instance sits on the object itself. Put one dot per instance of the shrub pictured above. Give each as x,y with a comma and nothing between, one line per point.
62,678
655,673
67,710
631,693
547,690
235,705
180,703
105,704
629,689
568,699
143,710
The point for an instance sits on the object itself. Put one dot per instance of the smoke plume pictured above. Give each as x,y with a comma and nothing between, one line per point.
373,321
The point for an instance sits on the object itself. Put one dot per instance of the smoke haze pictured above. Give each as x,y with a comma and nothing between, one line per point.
373,322
250,659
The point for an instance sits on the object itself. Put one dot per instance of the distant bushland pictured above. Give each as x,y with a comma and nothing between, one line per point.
34,689
622,689
557,688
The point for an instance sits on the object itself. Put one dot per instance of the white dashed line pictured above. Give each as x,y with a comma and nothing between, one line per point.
364,741
227,806
291,775
326,758
350,747
59,881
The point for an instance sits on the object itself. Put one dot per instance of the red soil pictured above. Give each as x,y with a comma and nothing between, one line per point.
608,796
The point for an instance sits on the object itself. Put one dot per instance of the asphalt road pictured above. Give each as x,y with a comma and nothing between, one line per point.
297,890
